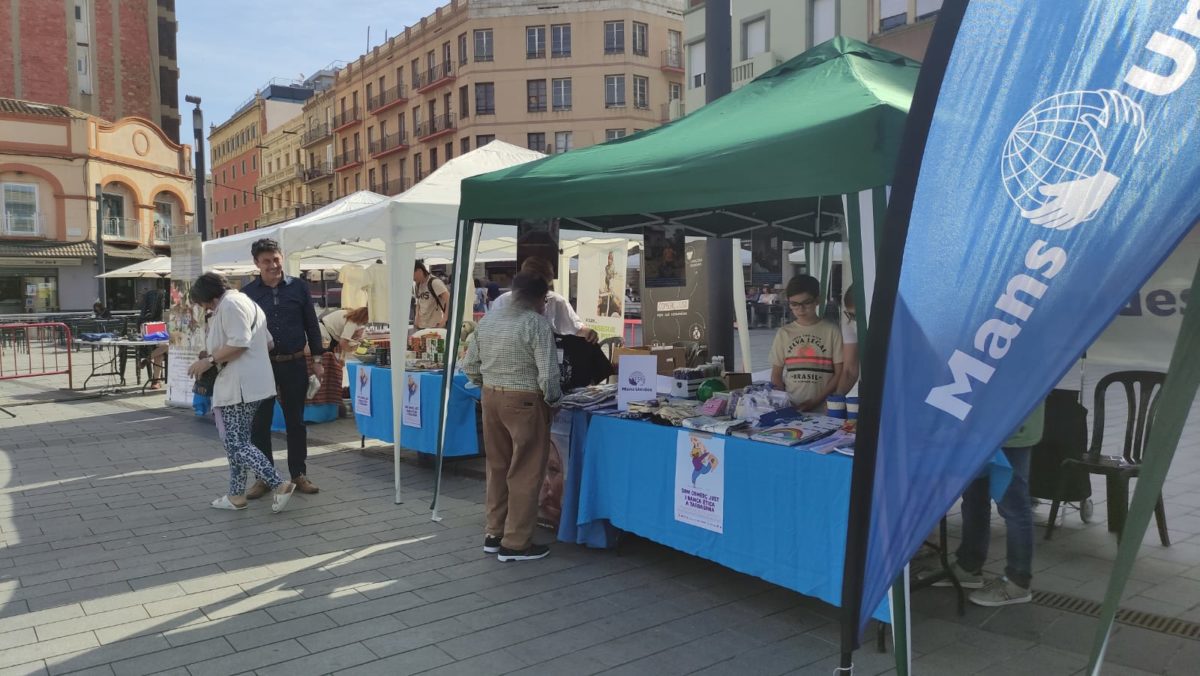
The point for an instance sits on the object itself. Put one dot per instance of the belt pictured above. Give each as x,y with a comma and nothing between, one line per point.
287,357
510,389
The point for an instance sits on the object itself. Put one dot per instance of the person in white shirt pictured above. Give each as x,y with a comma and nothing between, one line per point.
849,378
433,299
237,344
558,310
342,329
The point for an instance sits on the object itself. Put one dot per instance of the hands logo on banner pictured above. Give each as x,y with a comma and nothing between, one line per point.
1056,160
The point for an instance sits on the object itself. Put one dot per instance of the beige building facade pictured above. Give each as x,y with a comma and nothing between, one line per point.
51,159
903,26
281,181
552,77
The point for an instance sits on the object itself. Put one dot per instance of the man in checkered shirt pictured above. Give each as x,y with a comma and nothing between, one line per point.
514,358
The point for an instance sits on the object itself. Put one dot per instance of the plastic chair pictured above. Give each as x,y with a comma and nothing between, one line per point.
1141,398
610,345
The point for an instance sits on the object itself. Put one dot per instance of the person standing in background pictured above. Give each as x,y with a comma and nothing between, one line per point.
563,318
292,321
433,299
806,355
849,378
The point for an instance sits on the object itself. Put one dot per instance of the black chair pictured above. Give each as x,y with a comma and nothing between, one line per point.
1141,398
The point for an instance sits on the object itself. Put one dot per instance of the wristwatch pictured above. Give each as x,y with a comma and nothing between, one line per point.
212,360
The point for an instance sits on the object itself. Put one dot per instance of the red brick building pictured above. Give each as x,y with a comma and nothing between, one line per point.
110,58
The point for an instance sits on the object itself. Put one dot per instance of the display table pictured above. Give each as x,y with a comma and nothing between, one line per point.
785,509
461,439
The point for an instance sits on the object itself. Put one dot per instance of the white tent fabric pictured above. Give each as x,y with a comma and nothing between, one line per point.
153,268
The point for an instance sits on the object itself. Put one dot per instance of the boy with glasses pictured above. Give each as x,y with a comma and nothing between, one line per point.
806,356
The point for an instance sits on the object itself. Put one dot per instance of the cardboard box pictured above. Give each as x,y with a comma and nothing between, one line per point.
736,381
669,358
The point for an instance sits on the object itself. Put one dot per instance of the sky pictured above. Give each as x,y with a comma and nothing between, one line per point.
229,48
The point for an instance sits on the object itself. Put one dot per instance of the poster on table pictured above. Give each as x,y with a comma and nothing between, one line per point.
700,481
637,379
601,297
362,391
538,239
678,313
1057,172
185,320
1143,333
554,482
412,401
662,256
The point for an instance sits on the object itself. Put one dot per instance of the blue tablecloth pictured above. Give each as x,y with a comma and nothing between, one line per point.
461,439
785,509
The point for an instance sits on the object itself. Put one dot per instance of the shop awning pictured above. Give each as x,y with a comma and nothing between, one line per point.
86,249
826,123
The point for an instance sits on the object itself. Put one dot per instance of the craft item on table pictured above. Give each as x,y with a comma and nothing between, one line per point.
758,401
718,404
590,398
714,424
838,439
648,407
97,337
674,413
802,431
687,381
779,417
709,387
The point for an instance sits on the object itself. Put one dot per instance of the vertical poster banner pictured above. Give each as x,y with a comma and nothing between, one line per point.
362,391
766,259
185,320
663,257
538,239
1143,334
601,298
1044,177
680,313
700,481
412,401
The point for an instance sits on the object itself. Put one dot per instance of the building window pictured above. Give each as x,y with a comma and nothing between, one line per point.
613,134
450,151
614,37
418,167
485,98
163,220
641,39
754,37
20,209
464,102
614,91
674,91
822,20
560,40
235,200
535,42
562,93
483,45
243,167
536,142
462,49
641,92
892,14
371,180
254,162
562,141
484,139
695,64
464,145
536,92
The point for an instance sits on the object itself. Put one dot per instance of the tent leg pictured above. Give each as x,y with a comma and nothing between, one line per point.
739,309
400,259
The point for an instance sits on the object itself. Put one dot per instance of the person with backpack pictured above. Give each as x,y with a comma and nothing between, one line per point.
432,297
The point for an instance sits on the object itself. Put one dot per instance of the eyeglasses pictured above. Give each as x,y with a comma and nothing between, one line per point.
801,304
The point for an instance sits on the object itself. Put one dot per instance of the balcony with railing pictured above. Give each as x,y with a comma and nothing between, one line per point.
317,172
346,118
117,227
281,176
394,186
347,160
315,133
672,110
162,232
388,99
437,76
24,225
392,143
430,129
672,61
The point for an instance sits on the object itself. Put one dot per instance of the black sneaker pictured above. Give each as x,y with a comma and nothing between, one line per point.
529,554
491,544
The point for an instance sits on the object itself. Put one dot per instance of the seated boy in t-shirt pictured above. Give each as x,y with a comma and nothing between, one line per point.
806,356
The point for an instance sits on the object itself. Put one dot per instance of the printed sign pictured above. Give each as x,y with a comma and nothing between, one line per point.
186,325
700,481
678,313
362,391
637,378
662,257
602,272
412,401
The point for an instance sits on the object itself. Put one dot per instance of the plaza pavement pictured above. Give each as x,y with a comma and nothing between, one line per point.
111,562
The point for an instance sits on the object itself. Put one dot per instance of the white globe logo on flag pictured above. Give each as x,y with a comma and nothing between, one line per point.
1057,158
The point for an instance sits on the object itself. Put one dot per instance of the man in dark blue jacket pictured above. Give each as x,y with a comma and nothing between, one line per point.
292,321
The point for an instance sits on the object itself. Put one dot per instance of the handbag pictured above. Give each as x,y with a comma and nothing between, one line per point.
207,382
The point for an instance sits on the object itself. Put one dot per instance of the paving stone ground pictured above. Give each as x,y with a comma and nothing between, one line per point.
111,562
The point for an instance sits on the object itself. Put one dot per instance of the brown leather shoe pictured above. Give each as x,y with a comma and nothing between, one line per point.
258,490
305,486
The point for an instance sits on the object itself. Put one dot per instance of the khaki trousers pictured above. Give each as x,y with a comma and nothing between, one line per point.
516,442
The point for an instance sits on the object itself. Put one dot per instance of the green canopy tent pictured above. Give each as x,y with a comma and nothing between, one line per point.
805,151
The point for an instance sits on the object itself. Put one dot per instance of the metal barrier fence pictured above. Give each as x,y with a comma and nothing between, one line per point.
32,350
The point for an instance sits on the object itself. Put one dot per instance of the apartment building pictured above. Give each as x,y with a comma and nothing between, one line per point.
110,59
548,76
764,34
281,179
236,158
903,26
51,160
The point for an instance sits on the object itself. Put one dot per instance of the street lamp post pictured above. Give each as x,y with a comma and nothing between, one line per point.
198,129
